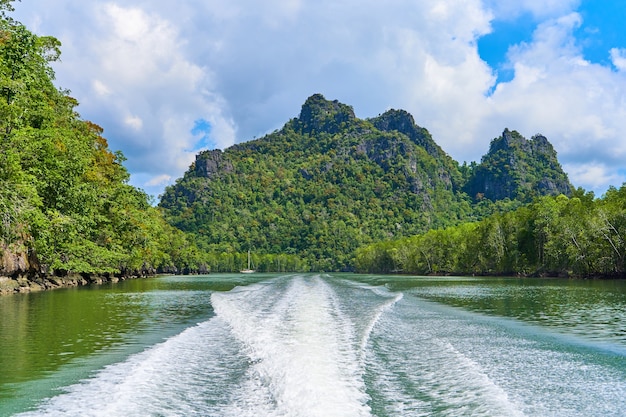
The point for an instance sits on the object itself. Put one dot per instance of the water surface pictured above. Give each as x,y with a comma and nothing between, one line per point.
317,345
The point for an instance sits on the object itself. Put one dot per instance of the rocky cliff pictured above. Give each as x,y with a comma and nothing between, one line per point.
518,169
21,272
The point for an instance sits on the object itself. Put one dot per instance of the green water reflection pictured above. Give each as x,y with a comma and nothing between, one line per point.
53,339
594,309
41,333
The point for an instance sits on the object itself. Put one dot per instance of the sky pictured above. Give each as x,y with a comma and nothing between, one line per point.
168,79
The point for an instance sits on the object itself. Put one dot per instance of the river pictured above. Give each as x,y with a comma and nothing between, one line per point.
316,345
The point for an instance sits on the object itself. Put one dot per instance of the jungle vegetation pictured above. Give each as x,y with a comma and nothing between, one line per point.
327,191
65,200
328,183
580,236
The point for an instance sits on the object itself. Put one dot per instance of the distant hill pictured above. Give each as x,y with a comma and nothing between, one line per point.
518,169
329,182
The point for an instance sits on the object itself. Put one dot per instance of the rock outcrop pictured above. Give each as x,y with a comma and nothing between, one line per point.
517,168
20,272
212,163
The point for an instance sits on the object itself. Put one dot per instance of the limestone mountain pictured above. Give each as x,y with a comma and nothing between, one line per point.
518,169
324,184
321,186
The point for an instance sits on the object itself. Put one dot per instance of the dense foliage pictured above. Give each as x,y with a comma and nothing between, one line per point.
64,196
553,236
324,185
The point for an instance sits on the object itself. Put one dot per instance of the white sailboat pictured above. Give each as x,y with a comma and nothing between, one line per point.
248,270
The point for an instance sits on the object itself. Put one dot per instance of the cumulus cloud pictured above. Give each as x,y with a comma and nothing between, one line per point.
159,181
100,88
166,79
596,175
618,57
130,71
578,105
539,9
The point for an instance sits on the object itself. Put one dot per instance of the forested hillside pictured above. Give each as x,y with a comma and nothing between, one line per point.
65,203
304,197
518,169
329,182
554,236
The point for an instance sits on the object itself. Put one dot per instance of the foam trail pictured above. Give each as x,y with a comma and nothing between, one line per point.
293,346
183,376
307,346
302,349
429,376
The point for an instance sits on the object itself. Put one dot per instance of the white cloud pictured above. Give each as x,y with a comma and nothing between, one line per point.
618,57
129,68
539,9
158,181
134,122
147,71
596,175
578,105
100,88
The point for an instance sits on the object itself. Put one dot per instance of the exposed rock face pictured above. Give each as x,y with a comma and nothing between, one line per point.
211,163
320,115
517,168
13,262
403,122
327,174
21,272
384,150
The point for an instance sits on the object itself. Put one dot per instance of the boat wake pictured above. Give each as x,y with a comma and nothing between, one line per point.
314,345
305,351
293,346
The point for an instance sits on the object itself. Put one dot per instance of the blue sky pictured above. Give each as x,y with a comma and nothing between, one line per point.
167,79
601,29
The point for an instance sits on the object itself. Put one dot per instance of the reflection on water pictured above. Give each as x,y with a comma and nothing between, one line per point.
41,333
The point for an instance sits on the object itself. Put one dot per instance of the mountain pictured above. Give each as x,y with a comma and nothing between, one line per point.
518,169
321,186
324,184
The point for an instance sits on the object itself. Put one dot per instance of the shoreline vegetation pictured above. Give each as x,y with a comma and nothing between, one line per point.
23,284
21,272
577,237
67,210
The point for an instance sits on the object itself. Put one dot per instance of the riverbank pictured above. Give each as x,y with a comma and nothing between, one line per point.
21,272
22,284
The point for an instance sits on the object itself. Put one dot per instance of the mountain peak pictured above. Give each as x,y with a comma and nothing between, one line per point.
403,122
321,115
518,168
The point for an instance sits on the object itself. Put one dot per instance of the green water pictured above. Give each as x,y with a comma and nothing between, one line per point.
439,345
592,309
51,339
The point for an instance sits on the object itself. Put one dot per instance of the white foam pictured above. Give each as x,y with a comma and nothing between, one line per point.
430,376
301,349
171,378
317,346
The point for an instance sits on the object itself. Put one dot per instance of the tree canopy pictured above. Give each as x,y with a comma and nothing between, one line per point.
554,236
64,195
